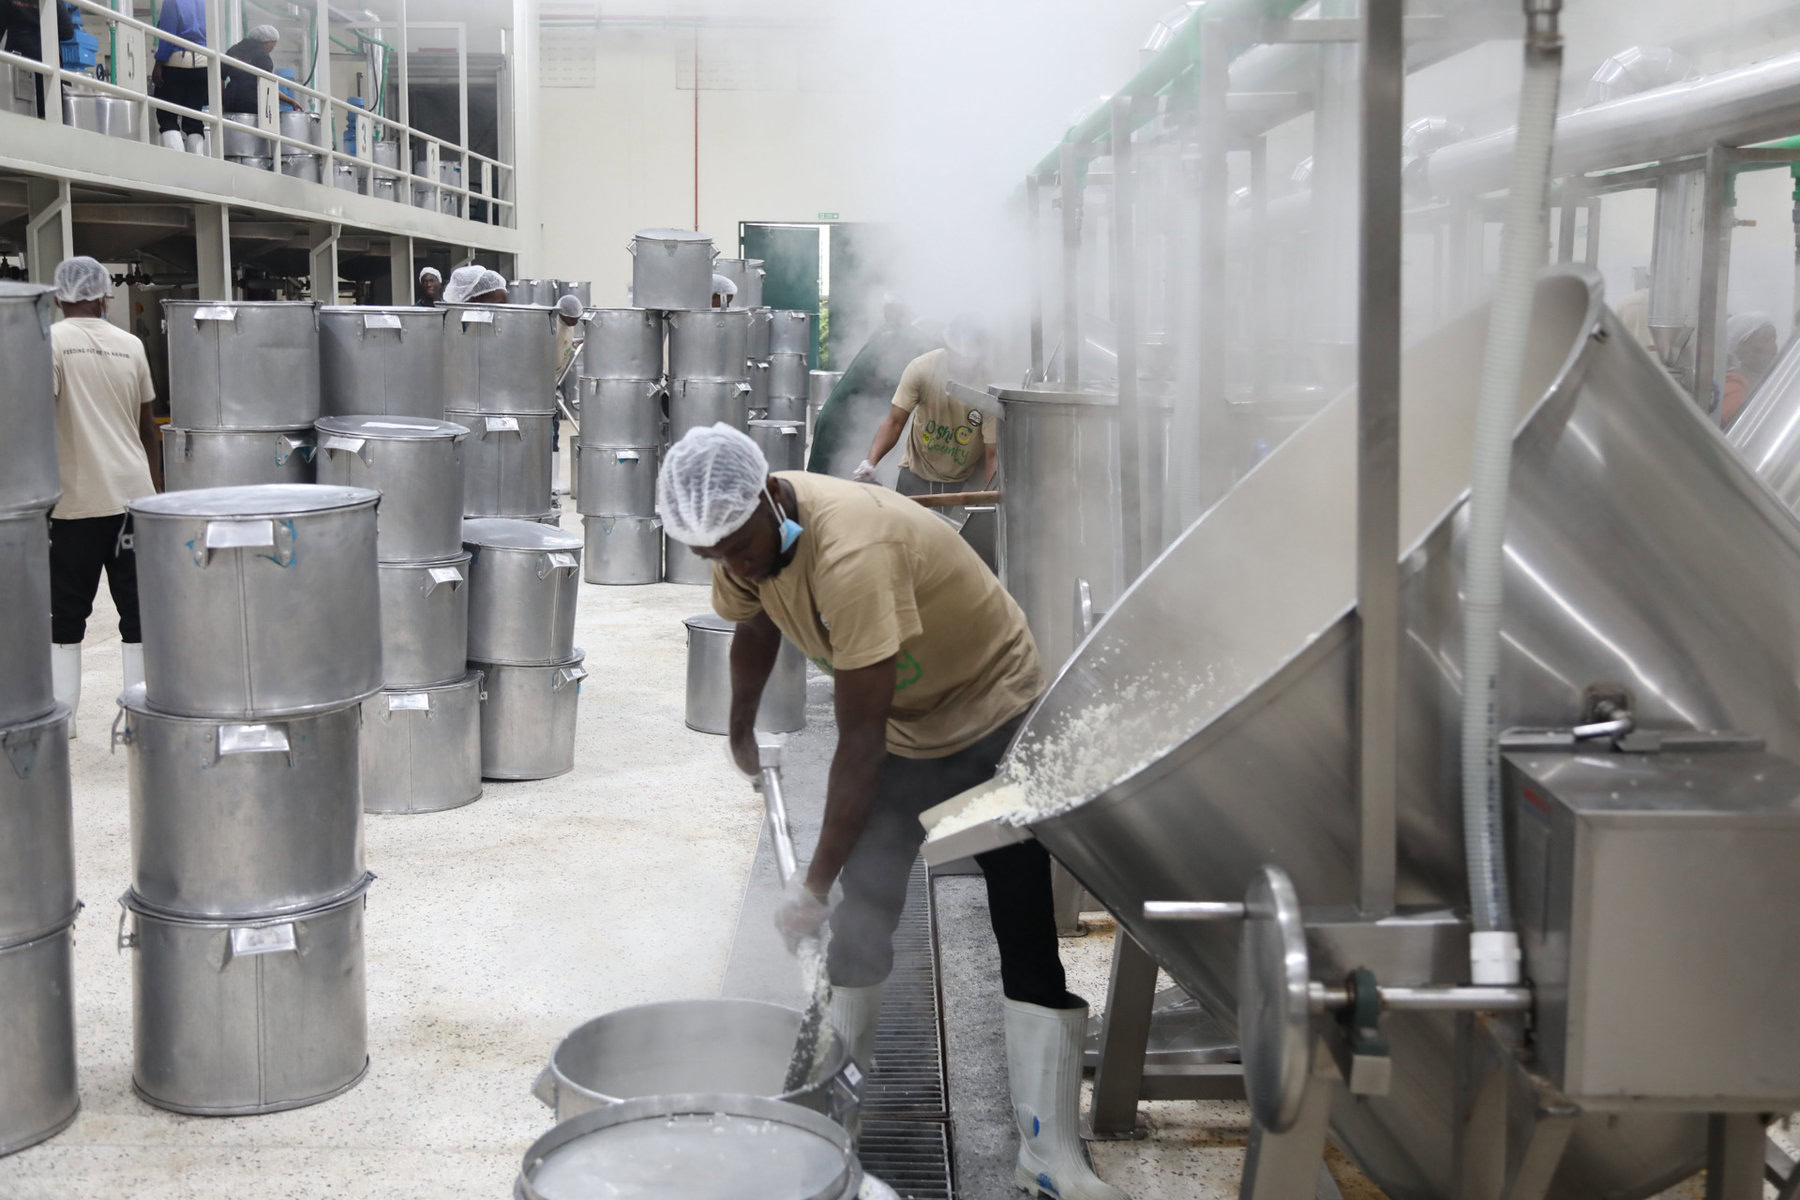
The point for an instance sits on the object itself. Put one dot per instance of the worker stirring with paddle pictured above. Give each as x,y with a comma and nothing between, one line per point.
934,670
953,446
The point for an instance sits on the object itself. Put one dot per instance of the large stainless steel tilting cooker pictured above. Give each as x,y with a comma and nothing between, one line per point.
229,818
26,691
250,1016
507,464
424,622
242,364
258,601
528,718
783,707
205,458
37,848
783,443
698,402
617,481
28,471
622,550
623,412
386,361
790,332
38,1096
500,358
421,749
416,463
523,584
710,344
671,269
623,343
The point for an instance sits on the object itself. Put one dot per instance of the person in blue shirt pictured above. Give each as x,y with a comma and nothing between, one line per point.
180,74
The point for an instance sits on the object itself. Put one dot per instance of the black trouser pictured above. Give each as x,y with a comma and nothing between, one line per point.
912,484
185,86
875,876
79,551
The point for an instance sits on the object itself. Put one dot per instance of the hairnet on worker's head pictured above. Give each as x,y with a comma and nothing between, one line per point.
462,284
264,33
490,281
82,278
709,485
1739,327
431,272
722,286
570,307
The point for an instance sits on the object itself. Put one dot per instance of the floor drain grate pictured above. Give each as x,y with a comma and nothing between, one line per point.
910,1156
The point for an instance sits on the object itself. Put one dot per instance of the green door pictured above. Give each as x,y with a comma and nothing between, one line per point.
790,255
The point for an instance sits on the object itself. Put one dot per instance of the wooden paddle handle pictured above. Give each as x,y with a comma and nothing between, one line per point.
957,499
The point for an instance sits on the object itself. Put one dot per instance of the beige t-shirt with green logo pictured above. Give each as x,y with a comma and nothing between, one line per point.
876,576
949,438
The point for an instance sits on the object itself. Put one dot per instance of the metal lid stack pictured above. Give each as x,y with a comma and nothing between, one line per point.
38,1096
261,641
500,383
243,392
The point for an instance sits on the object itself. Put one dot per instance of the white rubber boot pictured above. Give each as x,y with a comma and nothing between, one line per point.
854,1014
196,143
171,139
131,654
1043,1063
65,677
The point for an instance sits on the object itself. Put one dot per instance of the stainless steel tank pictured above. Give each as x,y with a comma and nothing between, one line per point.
532,291
697,402
26,690
1626,513
671,269
1766,434
682,565
38,1092
381,361
623,343
617,481
748,274
416,464
249,1016
350,178
782,409
528,718
712,344
783,706
819,385
208,458
113,116
788,377
783,443
581,289
523,584
308,167
242,364
499,358
762,333
37,848
28,470
790,331
424,622
621,550
623,412
229,818
258,601
507,464
421,748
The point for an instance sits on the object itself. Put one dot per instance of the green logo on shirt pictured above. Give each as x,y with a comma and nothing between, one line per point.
952,441
907,670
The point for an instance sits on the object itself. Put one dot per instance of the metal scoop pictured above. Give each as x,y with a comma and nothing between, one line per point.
781,836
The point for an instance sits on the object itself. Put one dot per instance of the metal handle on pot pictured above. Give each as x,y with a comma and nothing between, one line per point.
475,316
295,445
119,737
381,321
439,576
409,702
567,675
240,535
22,749
556,560
504,425
249,940
127,941
544,1088
626,456
252,739
742,389
215,312
351,445
1084,608
183,444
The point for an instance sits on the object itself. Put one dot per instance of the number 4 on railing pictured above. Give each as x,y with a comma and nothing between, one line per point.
267,106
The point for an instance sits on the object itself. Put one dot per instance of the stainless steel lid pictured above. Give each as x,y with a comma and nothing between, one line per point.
257,500
710,623
307,304
502,533
11,289
357,310
784,426
138,906
393,429
381,698
672,235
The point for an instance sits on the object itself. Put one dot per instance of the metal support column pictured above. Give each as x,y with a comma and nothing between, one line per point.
1261,265
462,112
215,86
51,56
405,101
1378,455
402,275
1033,230
1290,1165
1125,340
1591,249
1734,1156
325,263
321,79
49,232
1069,183
1715,237
212,251
1119,1077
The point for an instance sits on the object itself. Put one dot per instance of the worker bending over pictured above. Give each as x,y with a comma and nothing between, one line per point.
953,446
934,669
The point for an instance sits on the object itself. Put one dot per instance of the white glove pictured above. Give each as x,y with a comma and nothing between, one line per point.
801,915
865,471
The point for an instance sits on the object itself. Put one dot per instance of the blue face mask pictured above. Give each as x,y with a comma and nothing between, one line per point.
790,528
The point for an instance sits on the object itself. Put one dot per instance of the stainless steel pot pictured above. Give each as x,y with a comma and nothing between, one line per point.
783,707
783,443
26,691
617,481
231,818
581,289
37,849
680,1047
207,458
381,361
258,601
523,583
424,622
532,291
622,412
28,472
348,178
507,464
623,343
309,167
748,274
38,1094
790,332
622,550
250,1016
697,402
671,269
113,116
241,143
421,748
499,358
689,1147
682,565
783,409
243,364
788,377
417,466
712,344
305,126
762,332
528,718
758,399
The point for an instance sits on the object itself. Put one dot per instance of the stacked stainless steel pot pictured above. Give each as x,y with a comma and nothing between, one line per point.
623,432
709,383
748,275
38,1096
790,350
523,582
261,641
500,383
387,361
243,392
421,749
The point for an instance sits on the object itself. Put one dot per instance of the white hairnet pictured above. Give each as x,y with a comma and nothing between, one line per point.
264,33
1740,326
570,307
490,281
433,272
82,278
709,485
462,284
722,286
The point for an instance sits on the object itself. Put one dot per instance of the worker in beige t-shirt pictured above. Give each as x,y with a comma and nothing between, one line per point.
933,670
106,449
952,445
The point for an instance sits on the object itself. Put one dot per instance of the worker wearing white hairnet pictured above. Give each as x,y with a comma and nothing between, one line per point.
106,450
257,49
1751,345
462,284
489,289
431,286
953,444
934,669
861,400
724,291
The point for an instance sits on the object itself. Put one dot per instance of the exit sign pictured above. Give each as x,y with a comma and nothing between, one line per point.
828,216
